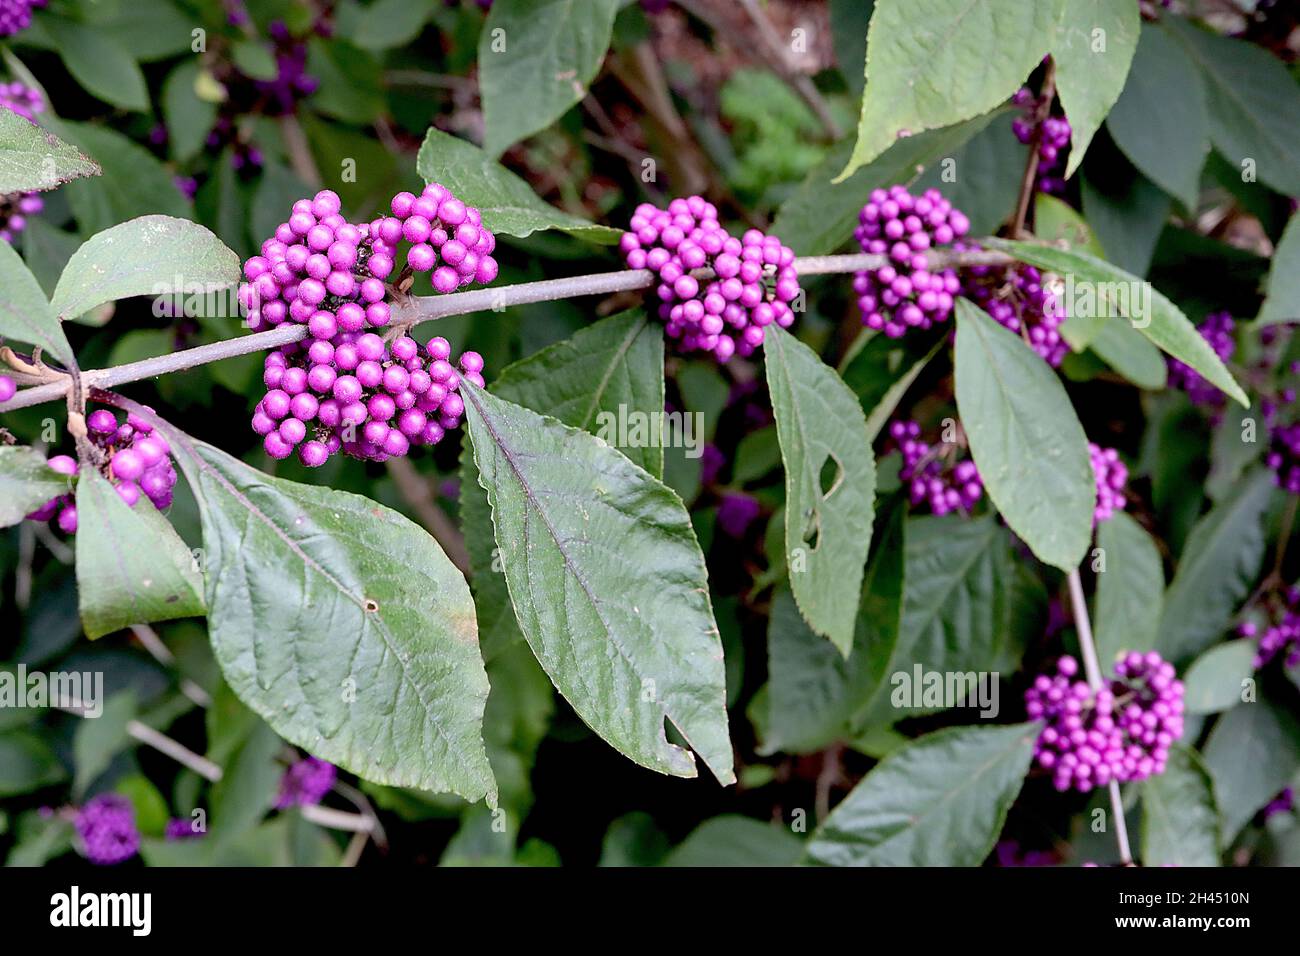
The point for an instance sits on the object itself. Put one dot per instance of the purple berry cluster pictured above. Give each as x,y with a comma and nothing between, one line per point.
932,476
15,208
1217,330
1054,139
345,384
904,294
754,279
358,394
1284,457
106,829
1121,732
134,458
16,15
1111,475
1018,299
1281,639
305,783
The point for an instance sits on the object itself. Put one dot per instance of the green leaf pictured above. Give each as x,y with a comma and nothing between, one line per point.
342,625
99,739
1252,753
383,24
1282,302
151,255
1127,215
1216,570
33,159
940,800
1024,434
351,83
248,787
730,840
1101,289
26,482
25,314
1254,104
1161,121
982,177
884,408
928,65
27,763
135,183
1093,48
132,568
189,117
820,214
1216,680
608,584
508,204
1180,825
99,63
830,484
1132,355
1233,448
535,60
1129,590
255,59
849,20
1057,222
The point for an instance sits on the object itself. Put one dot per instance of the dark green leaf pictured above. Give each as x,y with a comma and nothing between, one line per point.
608,584
134,183
1217,679
1252,753
100,64
1216,570
535,59
830,484
343,625
939,801
189,117
98,740
383,24
730,840
1129,590
1127,217
132,568
1282,303
508,204
255,59
27,763
1180,825
1024,433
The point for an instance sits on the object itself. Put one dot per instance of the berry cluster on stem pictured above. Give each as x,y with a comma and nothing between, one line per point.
933,476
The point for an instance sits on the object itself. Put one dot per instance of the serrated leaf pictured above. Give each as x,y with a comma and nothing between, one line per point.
1216,680
132,568
33,159
1089,74
1282,301
146,256
1129,590
1161,122
830,484
343,625
100,64
1251,754
1215,572
1025,438
928,65
26,483
608,584
25,314
1104,289
1254,103
535,60
940,800
820,215
508,204
1180,824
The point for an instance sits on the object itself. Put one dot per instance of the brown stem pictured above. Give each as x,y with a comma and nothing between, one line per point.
1031,164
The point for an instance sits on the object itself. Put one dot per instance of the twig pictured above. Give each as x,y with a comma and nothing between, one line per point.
431,308
799,82
295,141
338,819
1092,668
416,491
1031,164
